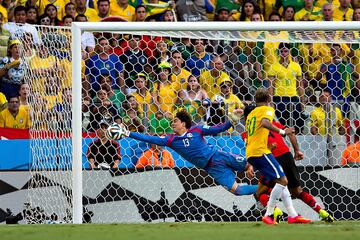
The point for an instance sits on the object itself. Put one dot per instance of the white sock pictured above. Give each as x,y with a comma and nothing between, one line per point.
286,198
275,195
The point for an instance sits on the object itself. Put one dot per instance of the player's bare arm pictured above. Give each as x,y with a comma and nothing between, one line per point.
268,125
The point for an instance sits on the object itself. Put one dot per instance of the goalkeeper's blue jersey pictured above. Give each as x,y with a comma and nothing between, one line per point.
191,145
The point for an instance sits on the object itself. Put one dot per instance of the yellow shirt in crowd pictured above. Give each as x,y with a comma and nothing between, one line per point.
313,15
285,83
3,101
181,78
128,13
20,121
212,84
4,12
339,15
92,15
318,116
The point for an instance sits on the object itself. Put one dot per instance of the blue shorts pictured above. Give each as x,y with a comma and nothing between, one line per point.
268,166
222,167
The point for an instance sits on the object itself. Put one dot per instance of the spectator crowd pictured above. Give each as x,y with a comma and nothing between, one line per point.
142,80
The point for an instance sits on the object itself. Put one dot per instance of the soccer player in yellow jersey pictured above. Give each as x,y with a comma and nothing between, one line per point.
15,116
258,124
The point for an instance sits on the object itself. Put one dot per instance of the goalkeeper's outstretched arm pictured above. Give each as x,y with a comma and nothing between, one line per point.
161,141
213,130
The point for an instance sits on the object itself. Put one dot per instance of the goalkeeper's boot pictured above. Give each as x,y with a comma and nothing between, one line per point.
269,220
278,214
325,216
298,219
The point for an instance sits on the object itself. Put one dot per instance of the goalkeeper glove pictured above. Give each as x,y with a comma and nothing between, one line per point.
235,116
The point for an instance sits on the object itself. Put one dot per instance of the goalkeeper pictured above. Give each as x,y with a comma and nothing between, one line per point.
188,141
282,154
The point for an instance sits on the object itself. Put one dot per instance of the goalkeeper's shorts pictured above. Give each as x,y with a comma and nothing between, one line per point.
223,166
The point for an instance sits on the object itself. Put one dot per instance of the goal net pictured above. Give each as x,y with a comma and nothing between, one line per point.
141,78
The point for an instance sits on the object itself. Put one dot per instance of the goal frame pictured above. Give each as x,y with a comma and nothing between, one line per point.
79,27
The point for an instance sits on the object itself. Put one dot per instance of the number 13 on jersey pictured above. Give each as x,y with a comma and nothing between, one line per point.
186,142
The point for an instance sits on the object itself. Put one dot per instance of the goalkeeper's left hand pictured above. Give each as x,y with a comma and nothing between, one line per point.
235,116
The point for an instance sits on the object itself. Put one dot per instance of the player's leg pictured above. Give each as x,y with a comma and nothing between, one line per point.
294,184
271,170
293,180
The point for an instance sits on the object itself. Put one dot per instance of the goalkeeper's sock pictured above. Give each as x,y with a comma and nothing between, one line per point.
274,198
245,190
309,200
286,199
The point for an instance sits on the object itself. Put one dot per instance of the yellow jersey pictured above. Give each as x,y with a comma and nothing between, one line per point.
147,99
92,15
37,62
285,78
257,136
267,7
127,13
167,96
318,116
313,15
212,84
320,3
20,121
4,12
64,71
181,78
3,101
339,15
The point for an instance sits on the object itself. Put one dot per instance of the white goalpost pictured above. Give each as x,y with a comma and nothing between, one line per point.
241,54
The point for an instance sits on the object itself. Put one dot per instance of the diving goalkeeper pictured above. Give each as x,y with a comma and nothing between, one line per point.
188,141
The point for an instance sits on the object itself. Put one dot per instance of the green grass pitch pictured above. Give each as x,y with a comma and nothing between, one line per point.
171,231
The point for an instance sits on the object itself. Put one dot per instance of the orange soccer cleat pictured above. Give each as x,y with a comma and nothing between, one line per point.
298,219
269,220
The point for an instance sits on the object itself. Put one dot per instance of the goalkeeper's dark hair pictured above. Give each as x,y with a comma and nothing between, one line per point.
262,96
248,109
185,117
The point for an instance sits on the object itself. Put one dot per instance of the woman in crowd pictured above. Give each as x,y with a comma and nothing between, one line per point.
24,93
289,13
194,99
52,12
